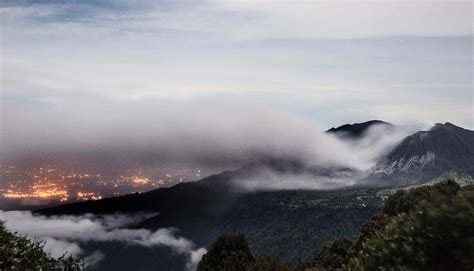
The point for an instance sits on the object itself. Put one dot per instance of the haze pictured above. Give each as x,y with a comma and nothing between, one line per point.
224,81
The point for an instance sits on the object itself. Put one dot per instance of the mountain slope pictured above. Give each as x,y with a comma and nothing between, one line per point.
421,156
213,190
205,209
428,154
206,192
280,221
356,130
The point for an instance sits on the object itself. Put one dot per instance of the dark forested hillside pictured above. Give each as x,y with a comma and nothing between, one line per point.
274,222
425,228
285,223
280,222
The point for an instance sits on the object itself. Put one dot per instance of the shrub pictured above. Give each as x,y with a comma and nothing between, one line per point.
19,253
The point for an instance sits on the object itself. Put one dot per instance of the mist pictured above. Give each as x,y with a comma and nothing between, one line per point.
354,160
201,130
226,130
64,234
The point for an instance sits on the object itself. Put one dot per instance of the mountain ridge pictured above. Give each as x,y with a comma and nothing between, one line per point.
427,154
356,130
418,153
215,205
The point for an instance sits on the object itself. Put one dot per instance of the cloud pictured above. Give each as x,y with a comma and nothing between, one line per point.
227,84
267,18
263,50
379,140
94,258
346,161
64,234
269,180
196,256
207,130
58,248
222,130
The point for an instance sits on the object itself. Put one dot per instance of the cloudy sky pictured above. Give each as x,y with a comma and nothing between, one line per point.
71,70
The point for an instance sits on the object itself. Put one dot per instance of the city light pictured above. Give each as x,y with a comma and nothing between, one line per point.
65,184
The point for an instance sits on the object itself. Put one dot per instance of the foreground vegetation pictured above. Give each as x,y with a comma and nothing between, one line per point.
424,228
19,253
286,223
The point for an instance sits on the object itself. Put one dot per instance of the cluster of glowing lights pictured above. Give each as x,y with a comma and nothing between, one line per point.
57,184
88,196
140,181
51,193
38,193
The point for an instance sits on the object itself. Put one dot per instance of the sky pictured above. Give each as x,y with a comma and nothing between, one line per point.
77,74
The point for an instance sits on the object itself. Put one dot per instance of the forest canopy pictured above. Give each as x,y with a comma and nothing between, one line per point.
423,228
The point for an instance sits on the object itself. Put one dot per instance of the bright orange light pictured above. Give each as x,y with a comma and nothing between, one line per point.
137,180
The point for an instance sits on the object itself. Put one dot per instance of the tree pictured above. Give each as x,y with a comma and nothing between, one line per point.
424,228
335,255
436,235
265,262
228,252
19,253
403,201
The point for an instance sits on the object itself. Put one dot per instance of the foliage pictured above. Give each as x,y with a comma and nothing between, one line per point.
404,201
265,262
436,235
231,252
424,228
293,224
428,226
461,179
19,253
228,252
335,255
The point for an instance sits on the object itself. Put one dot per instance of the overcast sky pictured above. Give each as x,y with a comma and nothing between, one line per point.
73,67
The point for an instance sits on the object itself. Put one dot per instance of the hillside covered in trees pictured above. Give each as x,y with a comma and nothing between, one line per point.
423,228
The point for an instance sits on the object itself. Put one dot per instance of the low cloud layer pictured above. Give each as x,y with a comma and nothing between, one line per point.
268,180
222,130
379,140
64,234
122,78
347,161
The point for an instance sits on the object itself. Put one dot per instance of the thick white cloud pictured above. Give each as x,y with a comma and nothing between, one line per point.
225,130
63,234
79,74
341,162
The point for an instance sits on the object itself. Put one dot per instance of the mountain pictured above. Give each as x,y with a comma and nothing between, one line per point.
207,208
283,223
279,222
356,130
213,190
210,191
428,154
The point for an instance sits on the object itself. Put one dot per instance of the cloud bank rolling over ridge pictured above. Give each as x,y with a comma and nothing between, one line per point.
200,131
